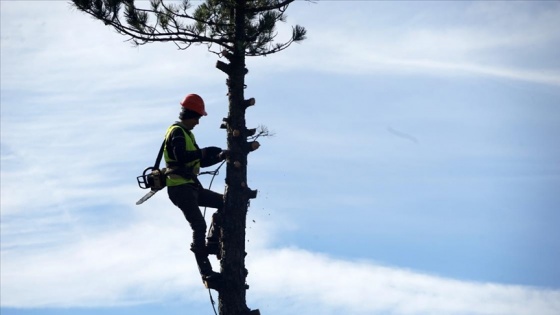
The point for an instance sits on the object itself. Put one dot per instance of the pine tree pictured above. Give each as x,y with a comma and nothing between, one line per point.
233,29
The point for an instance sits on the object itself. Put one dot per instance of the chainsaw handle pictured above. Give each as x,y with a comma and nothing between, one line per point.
143,179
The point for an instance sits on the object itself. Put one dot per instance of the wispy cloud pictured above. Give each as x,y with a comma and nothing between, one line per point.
401,134
101,267
39,51
510,41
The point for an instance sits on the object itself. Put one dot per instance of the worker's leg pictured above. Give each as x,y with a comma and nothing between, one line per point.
185,197
212,199
208,198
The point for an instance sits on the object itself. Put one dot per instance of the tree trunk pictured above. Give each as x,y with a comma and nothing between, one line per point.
232,297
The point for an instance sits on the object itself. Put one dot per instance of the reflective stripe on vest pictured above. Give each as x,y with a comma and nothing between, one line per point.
190,145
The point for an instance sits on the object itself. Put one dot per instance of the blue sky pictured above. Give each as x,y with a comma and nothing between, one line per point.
414,167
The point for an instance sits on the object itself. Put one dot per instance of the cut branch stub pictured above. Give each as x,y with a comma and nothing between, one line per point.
224,124
253,194
251,146
255,145
251,312
223,66
249,102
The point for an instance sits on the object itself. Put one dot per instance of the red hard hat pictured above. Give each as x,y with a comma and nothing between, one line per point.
195,103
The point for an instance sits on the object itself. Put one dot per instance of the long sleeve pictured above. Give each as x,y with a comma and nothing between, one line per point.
178,148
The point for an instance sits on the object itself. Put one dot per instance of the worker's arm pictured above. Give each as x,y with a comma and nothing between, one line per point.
211,156
180,153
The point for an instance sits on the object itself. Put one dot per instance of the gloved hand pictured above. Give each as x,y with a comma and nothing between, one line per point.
223,155
210,156
211,152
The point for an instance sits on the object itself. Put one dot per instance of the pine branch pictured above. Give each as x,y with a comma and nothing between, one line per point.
277,6
166,28
298,34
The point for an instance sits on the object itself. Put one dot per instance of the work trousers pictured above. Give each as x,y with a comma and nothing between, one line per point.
189,198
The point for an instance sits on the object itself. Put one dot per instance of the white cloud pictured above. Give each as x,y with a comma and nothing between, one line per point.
147,260
135,264
510,41
312,280
48,43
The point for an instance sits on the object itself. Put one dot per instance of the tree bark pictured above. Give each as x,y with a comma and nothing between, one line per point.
232,297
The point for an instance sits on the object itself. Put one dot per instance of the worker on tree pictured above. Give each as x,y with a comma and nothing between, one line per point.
183,160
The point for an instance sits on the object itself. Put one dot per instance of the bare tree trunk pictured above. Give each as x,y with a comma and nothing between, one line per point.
232,298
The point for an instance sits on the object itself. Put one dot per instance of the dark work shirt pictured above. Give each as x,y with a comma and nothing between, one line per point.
176,147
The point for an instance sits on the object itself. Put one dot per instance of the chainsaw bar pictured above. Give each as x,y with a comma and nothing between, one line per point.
146,197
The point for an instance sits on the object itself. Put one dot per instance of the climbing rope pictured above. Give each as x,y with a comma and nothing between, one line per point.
214,173
212,301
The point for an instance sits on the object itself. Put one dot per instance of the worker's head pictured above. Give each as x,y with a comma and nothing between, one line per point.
192,108
194,103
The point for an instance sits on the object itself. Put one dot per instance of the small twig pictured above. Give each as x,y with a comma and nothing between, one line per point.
262,131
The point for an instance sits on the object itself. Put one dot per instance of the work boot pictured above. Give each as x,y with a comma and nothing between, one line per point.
213,248
213,280
210,278
213,239
199,249
214,232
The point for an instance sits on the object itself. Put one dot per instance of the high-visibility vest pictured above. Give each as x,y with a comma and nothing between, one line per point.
192,168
